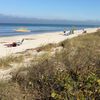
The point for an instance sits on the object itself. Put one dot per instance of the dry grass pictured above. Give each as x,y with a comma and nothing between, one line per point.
7,61
71,74
47,47
10,91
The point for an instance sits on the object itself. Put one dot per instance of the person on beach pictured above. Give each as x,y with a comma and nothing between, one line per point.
67,33
72,31
14,44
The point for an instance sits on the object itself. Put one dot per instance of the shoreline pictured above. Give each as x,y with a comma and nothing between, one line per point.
30,33
36,40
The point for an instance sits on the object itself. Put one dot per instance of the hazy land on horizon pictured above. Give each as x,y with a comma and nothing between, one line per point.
26,20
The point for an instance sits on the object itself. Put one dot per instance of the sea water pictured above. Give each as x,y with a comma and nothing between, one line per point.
9,29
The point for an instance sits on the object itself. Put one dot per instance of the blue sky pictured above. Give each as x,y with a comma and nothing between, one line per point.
52,9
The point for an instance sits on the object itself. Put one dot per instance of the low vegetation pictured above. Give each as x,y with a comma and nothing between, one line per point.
47,47
10,91
71,74
7,61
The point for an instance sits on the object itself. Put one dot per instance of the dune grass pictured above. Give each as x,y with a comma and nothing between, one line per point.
47,47
10,91
71,74
7,61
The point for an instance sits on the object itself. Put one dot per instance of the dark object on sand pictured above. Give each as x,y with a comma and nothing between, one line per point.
84,31
64,31
11,45
98,30
14,44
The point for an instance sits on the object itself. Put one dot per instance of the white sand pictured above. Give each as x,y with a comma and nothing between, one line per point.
37,40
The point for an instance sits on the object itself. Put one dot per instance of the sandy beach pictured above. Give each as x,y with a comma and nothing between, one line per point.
35,40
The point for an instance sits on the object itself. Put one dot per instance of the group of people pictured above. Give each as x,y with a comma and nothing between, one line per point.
72,32
68,32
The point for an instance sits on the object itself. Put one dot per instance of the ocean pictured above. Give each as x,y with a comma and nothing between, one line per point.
9,29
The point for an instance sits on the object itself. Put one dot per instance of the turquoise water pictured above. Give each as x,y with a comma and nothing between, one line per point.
8,29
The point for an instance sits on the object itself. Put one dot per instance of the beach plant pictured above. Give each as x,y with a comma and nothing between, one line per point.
71,74
47,47
8,60
10,91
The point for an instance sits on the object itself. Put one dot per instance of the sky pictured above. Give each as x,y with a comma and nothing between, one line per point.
52,9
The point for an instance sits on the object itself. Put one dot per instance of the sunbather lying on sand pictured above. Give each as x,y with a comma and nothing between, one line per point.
14,44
